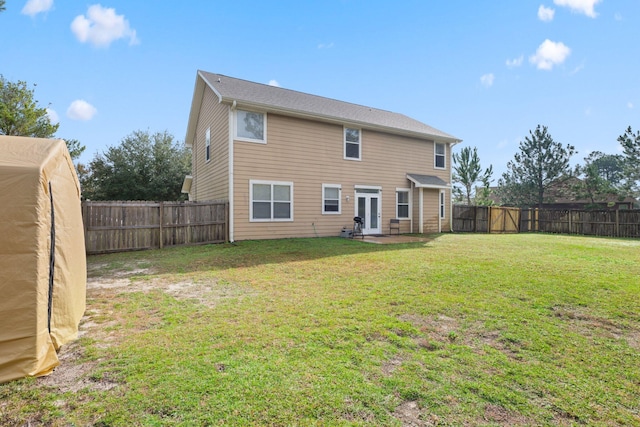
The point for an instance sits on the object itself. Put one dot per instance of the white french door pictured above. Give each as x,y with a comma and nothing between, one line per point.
368,208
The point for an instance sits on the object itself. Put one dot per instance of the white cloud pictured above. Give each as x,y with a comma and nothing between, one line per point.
587,111
630,104
516,62
617,16
102,26
325,45
33,7
274,83
545,13
549,54
487,80
580,6
81,110
53,116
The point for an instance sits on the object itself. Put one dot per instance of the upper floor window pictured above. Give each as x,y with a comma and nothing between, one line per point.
331,198
271,201
440,153
352,144
402,204
207,145
251,126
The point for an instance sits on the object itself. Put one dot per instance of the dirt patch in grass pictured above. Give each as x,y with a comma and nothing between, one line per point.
439,330
409,414
501,416
589,325
101,325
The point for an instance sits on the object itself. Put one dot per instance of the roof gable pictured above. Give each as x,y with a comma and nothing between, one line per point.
289,102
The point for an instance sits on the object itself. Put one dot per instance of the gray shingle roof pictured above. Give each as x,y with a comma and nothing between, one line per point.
278,99
427,181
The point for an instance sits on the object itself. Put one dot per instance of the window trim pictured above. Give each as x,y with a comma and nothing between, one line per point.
272,184
442,205
345,142
408,191
339,211
435,155
245,139
207,145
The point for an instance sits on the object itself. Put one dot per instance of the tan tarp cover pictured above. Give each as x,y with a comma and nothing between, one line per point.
29,335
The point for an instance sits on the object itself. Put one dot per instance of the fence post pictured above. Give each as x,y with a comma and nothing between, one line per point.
161,220
570,228
489,223
617,223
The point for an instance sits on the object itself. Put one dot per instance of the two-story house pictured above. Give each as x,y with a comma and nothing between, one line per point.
292,164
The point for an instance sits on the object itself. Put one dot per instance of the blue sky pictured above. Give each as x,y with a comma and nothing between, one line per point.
486,72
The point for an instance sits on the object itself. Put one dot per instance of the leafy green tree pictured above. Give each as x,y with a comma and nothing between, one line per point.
609,167
467,172
20,114
630,143
539,163
592,186
144,166
2,7
75,148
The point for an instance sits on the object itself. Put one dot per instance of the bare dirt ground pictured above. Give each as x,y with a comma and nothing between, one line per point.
74,374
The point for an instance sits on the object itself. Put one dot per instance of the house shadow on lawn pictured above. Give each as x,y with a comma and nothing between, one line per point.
251,253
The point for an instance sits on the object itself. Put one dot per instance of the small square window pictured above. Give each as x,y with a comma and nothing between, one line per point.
250,126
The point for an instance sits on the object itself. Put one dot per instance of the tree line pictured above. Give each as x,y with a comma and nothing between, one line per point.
542,163
144,166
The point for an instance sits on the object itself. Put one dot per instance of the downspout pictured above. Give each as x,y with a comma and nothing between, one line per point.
231,176
421,202
451,184
413,187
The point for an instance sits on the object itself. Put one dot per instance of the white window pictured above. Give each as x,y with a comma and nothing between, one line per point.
442,204
207,145
440,154
251,126
402,204
331,198
270,201
352,144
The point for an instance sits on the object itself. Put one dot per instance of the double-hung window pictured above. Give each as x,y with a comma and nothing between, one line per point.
251,126
207,145
271,201
331,198
402,204
352,148
440,154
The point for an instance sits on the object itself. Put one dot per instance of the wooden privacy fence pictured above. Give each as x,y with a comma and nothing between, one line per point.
486,219
612,223
493,219
116,226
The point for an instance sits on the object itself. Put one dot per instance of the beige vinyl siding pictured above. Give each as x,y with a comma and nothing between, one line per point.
310,153
211,179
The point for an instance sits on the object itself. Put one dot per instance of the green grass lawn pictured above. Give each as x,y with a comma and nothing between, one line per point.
528,329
